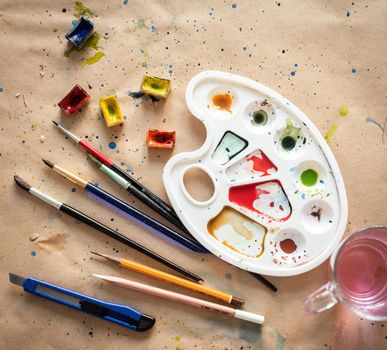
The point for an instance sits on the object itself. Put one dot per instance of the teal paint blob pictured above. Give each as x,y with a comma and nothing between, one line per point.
1,89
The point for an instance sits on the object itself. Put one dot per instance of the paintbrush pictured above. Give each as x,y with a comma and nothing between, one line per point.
133,212
103,228
134,187
149,271
123,183
182,298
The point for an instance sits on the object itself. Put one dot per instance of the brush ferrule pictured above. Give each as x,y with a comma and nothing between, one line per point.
70,176
45,198
68,133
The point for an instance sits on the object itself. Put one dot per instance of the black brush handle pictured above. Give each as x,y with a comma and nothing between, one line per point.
123,239
150,199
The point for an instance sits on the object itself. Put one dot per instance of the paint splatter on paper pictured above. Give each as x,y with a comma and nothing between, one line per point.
82,10
53,243
95,58
343,111
370,120
328,136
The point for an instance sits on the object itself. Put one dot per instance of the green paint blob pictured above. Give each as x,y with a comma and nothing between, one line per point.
95,58
309,177
111,110
330,133
291,134
92,42
343,111
259,117
141,24
82,10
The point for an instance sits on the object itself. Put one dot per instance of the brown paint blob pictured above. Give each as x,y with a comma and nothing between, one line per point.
288,246
222,101
53,243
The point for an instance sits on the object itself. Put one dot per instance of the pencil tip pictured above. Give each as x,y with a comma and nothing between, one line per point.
21,183
48,163
56,124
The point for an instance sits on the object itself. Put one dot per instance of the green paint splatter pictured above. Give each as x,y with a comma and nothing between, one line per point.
68,51
343,111
177,338
55,30
82,10
34,127
8,23
141,24
281,340
95,58
290,136
328,136
93,41
179,348
111,110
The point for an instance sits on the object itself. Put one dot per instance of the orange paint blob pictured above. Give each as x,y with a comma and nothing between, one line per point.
288,246
222,101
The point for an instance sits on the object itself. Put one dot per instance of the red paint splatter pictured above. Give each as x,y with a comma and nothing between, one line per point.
272,204
262,164
281,207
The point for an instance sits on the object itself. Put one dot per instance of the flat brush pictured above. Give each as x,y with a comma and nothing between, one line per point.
118,203
182,298
134,187
149,271
103,228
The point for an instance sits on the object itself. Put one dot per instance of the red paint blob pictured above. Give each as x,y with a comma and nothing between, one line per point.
262,164
288,246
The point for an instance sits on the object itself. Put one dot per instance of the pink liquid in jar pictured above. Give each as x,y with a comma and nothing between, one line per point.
361,272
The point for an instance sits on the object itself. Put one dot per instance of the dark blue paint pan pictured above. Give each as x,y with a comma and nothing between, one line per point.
81,32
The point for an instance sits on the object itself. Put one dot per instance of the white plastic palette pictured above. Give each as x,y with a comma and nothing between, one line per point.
279,207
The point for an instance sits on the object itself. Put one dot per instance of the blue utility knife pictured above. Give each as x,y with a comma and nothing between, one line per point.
120,314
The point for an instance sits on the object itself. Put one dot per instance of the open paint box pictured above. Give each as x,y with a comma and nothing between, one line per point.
279,205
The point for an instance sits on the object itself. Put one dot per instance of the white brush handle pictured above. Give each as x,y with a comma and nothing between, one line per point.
45,198
249,316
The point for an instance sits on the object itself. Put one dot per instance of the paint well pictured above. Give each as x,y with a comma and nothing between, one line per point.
259,118
288,246
289,137
222,101
238,232
309,177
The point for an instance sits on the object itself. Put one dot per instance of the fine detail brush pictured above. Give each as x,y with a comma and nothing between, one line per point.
123,183
103,228
127,208
135,188
120,314
182,298
164,276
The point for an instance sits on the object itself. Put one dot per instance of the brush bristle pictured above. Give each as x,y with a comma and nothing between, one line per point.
24,185
56,124
48,163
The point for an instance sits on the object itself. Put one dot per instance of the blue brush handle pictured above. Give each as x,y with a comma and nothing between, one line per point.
120,314
139,215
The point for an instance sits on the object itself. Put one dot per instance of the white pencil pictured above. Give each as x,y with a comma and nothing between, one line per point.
184,299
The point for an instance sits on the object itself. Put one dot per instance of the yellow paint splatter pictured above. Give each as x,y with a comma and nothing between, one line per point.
330,133
82,10
177,338
95,58
8,23
93,41
343,111
141,24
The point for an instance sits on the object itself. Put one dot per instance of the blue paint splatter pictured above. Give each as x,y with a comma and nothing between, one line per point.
295,65
73,189
353,70
154,29
129,169
1,89
125,117
292,73
126,2
122,163
244,48
112,145
33,253
303,195
234,6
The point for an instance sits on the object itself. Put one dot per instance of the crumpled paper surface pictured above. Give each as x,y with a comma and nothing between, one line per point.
320,55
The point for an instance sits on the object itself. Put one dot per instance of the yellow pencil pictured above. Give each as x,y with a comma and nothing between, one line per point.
164,276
